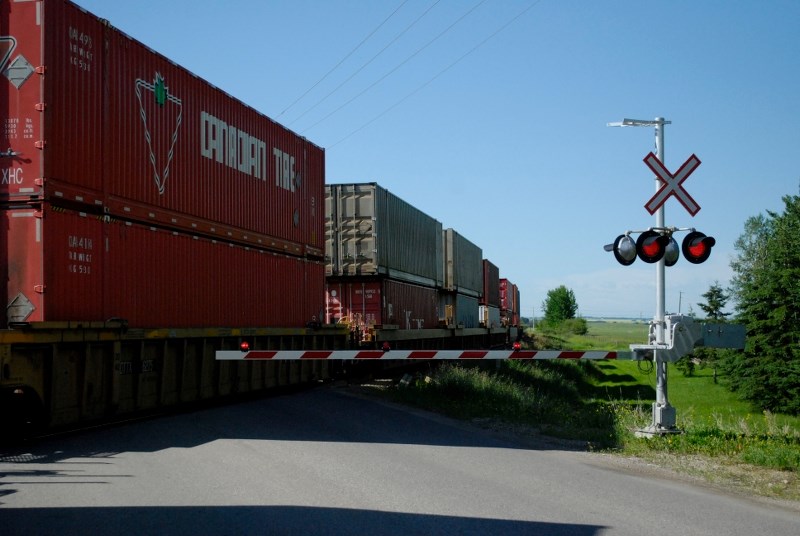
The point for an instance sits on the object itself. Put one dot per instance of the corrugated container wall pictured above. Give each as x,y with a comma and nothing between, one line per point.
509,302
370,231
364,302
93,269
467,311
491,284
126,130
505,299
463,264
105,126
490,316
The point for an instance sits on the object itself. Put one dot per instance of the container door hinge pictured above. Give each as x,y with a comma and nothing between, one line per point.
39,289
40,106
38,214
41,69
40,144
39,181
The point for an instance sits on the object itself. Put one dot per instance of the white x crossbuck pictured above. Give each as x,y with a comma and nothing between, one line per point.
672,184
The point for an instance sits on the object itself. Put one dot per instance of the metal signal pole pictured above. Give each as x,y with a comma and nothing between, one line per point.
663,413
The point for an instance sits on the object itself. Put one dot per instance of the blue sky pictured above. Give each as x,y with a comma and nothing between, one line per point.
491,116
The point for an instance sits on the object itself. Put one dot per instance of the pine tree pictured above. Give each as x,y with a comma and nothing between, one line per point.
716,299
767,290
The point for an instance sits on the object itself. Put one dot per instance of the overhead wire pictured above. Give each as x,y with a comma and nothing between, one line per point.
398,36
398,66
437,75
392,14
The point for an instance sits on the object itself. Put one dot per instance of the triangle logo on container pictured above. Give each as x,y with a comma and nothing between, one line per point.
7,46
154,99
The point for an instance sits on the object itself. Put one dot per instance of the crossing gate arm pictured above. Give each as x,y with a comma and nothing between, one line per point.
430,355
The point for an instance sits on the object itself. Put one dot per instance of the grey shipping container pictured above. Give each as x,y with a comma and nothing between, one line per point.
459,310
490,316
491,284
463,264
370,231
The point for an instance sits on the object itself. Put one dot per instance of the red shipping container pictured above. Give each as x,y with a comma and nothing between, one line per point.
69,266
366,302
100,120
506,300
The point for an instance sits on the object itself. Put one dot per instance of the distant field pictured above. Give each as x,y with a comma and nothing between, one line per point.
609,335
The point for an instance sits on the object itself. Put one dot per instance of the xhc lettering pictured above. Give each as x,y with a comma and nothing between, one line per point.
12,176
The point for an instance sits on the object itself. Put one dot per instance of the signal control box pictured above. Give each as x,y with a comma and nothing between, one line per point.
683,335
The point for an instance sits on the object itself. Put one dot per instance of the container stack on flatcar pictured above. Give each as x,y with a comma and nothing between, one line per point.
149,219
490,300
394,274
509,303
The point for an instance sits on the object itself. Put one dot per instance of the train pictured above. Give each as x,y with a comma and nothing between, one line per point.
150,219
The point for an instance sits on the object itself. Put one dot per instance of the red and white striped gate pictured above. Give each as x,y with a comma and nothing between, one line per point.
415,354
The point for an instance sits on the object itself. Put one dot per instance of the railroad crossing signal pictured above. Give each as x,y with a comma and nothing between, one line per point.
673,184
656,244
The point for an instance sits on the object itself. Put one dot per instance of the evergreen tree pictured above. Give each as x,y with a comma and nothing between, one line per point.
716,299
766,286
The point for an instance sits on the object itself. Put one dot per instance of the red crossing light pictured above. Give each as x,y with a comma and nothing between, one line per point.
651,246
697,247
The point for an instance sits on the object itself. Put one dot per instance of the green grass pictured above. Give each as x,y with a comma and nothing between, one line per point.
602,335
610,335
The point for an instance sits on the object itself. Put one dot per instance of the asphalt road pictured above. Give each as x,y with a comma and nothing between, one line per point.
325,462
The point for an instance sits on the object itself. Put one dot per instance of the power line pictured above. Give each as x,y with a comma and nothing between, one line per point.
344,59
437,75
382,78
398,36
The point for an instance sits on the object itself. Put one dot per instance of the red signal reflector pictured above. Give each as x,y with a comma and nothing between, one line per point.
651,246
697,246
244,346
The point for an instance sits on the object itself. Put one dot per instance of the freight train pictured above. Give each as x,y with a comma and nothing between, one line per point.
150,219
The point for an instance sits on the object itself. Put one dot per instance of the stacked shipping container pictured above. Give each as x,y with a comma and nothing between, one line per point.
490,300
509,303
463,281
371,232
390,264
137,190
383,260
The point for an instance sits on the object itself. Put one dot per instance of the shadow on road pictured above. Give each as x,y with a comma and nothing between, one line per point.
264,520
326,414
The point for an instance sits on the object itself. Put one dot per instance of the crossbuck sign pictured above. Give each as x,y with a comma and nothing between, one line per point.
673,184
